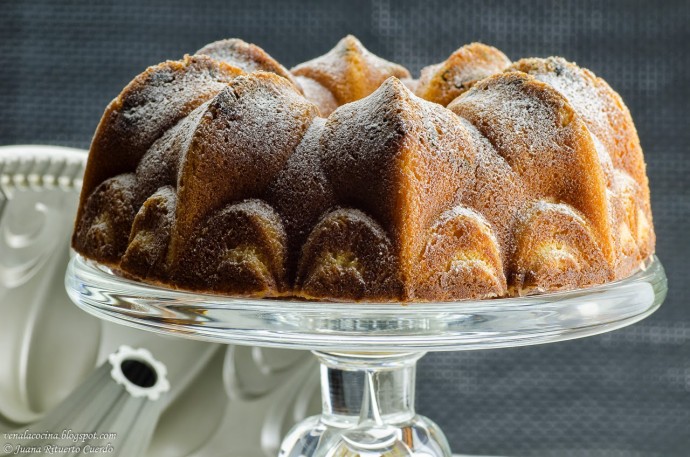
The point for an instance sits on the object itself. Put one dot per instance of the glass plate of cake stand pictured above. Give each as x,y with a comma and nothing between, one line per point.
368,351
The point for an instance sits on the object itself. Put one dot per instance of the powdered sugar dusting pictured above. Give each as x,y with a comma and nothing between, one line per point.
596,104
248,57
542,138
243,140
509,114
394,145
574,85
512,176
150,105
546,206
601,109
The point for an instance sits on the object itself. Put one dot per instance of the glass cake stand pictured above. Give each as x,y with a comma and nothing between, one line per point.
368,351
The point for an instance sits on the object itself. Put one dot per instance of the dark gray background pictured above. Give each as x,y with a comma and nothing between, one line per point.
625,393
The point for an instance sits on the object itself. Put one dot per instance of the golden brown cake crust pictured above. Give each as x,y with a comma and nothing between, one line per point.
225,160
145,109
301,193
248,57
542,138
348,180
105,220
318,94
238,250
612,129
461,258
349,71
146,255
444,82
348,256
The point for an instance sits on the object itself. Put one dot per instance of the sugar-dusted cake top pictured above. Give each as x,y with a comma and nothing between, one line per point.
346,179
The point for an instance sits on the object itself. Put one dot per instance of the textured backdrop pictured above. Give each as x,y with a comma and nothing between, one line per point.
625,393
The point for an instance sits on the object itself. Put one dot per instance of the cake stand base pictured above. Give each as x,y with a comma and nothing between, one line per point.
368,410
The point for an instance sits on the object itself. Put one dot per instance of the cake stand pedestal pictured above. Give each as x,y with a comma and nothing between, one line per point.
368,351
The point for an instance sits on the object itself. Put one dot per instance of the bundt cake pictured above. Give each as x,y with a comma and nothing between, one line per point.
346,179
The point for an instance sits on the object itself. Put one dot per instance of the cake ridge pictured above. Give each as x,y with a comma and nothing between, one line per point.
147,107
